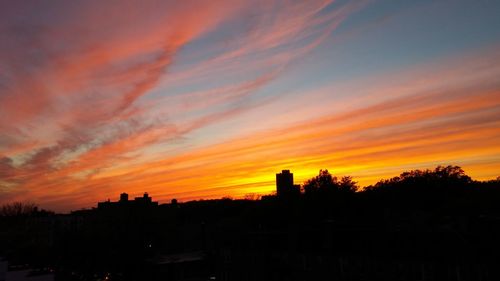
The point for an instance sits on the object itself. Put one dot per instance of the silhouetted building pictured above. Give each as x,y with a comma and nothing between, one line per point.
145,200
285,186
123,197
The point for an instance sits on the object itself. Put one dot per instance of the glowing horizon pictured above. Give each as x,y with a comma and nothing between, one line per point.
198,100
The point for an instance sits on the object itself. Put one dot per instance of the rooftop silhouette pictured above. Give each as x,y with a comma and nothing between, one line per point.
285,186
144,201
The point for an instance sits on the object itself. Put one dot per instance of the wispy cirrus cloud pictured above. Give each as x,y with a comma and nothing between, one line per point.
190,100
87,86
452,120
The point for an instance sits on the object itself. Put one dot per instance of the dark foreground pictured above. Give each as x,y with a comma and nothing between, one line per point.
418,228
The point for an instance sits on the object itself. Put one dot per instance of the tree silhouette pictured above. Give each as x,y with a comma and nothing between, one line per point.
324,182
327,184
347,185
17,209
441,177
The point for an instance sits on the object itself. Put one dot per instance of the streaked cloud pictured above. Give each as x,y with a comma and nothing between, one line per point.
190,100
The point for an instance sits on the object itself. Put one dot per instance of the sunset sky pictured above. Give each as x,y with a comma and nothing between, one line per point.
206,99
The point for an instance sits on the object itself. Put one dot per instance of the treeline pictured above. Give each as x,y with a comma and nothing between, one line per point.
450,178
443,191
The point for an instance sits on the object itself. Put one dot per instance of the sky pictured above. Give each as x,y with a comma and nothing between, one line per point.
208,99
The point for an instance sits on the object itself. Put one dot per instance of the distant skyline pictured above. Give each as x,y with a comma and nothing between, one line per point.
206,99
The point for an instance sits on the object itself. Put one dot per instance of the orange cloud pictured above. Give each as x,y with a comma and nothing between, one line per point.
96,101
376,141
